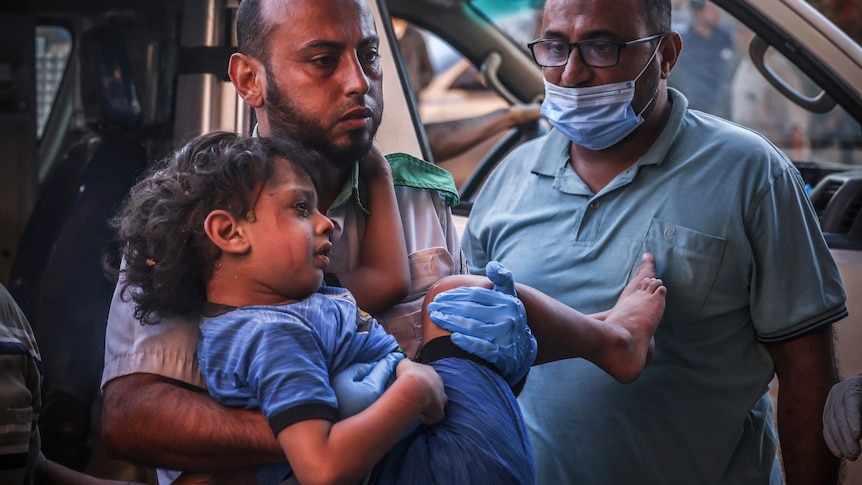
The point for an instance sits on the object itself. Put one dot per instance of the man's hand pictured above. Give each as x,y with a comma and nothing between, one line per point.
842,420
374,165
524,113
490,324
362,383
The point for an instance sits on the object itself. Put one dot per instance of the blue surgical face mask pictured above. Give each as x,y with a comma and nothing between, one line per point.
595,117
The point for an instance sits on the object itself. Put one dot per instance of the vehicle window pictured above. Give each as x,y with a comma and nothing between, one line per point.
520,20
718,76
53,46
447,88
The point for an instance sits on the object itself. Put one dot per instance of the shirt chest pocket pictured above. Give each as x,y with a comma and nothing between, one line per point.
404,321
687,261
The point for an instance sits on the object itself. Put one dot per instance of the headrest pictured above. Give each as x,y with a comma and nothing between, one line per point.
107,82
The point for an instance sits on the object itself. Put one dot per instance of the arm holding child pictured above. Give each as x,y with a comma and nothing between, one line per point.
383,276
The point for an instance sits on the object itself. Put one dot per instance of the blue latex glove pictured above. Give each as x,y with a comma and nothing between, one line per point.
490,324
360,384
842,418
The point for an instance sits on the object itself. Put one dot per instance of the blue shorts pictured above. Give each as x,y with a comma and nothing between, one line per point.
481,440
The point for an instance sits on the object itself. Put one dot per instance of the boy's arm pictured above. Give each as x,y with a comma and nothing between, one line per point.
320,451
382,278
151,421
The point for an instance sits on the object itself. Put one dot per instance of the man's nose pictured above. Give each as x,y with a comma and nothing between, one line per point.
575,72
354,76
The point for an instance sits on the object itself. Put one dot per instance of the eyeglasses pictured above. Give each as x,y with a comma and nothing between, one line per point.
593,52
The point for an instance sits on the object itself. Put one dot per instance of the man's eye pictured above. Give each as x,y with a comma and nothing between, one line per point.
325,61
370,56
601,48
558,48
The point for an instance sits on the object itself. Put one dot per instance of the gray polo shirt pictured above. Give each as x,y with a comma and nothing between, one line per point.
739,248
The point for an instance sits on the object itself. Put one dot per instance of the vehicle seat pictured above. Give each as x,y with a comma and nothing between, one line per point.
57,277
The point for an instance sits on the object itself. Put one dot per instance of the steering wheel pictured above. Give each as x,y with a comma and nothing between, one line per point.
514,137
490,68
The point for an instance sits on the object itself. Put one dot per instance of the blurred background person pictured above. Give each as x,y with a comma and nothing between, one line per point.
706,62
451,138
757,105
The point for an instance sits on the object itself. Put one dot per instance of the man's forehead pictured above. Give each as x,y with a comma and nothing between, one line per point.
591,17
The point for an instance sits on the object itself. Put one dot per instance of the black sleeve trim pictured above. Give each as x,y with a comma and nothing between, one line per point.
822,321
302,412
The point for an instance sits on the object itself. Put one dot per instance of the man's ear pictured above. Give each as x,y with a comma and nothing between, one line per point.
224,231
249,78
670,48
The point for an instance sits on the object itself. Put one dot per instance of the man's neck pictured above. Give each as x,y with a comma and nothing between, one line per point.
332,181
597,168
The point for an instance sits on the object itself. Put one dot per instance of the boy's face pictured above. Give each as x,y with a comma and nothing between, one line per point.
288,236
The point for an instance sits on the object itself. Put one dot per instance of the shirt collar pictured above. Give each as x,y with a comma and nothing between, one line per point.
350,189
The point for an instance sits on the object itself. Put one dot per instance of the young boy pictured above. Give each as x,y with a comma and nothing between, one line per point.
230,229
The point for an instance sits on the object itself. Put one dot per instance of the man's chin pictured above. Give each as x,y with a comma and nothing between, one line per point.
351,152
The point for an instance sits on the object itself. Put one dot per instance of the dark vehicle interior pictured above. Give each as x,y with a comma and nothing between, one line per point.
111,114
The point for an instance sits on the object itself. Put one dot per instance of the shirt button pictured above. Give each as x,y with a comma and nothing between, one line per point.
595,204
669,232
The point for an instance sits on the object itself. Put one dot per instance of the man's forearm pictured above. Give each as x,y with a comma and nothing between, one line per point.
449,139
806,371
152,422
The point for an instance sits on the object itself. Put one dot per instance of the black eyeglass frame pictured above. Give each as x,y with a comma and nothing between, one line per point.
619,45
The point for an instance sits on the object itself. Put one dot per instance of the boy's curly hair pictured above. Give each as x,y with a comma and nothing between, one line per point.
168,258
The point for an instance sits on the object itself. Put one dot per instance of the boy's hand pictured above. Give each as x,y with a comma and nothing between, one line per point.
490,324
430,383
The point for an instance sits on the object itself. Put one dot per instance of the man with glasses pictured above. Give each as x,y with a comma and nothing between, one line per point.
752,288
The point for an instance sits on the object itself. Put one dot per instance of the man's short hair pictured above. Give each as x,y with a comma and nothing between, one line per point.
657,14
253,30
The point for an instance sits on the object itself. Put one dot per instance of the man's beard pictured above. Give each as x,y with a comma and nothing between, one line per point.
285,119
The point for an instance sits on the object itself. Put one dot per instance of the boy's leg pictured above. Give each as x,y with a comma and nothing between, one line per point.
483,438
430,330
618,340
436,343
